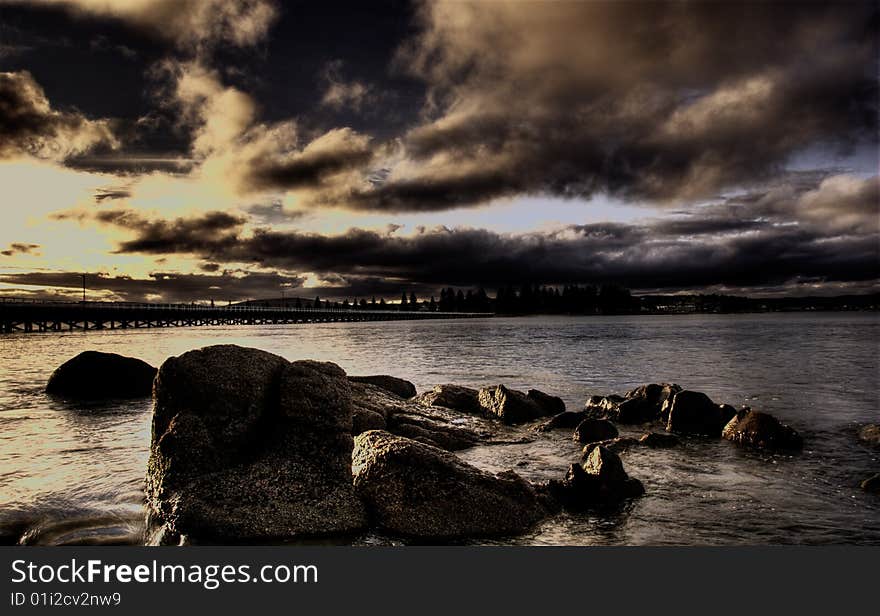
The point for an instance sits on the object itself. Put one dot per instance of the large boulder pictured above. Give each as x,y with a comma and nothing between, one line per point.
416,490
870,435
592,430
550,405
762,431
693,412
399,387
601,480
455,397
509,405
247,446
93,375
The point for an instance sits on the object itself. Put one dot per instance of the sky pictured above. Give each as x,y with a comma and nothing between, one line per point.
195,150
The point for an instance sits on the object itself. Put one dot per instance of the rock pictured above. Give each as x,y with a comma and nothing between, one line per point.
453,397
693,412
602,407
93,375
550,405
592,430
509,405
659,440
871,484
392,384
433,432
363,420
416,490
645,403
728,413
249,447
605,464
761,430
617,445
870,435
602,481
566,420
367,397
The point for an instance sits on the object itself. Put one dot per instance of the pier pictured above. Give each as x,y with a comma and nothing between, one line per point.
21,315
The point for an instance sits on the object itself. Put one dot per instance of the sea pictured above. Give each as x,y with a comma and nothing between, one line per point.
72,473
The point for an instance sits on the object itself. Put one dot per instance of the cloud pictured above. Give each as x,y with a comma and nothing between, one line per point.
250,157
644,101
29,126
18,248
773,237
341,94
190,24
230,285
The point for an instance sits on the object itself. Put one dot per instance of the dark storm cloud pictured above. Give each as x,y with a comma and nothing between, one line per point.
652,100
18,248
199,234
781,236
336,152
29,126
159,286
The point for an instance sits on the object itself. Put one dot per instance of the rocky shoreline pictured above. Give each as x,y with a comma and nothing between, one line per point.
249,447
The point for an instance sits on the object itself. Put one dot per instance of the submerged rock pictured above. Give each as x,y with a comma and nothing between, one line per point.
509,405
249,447
416,490
761,430
871,484
93,375
870,435
659,440
693,412
566,420
602,480
592,430
392,384
454,397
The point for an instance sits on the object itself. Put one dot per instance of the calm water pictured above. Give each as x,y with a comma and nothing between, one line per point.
70,474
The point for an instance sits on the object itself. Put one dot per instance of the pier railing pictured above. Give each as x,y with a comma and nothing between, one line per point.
30,315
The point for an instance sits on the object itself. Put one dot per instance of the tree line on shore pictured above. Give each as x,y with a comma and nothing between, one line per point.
582,299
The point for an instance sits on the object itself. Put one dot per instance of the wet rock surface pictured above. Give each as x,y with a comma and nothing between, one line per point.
392,384
456,397
693,412
601,480
509,405
250,447
592,430
563,421
93,375
871,484
761,430
417,490
870,435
